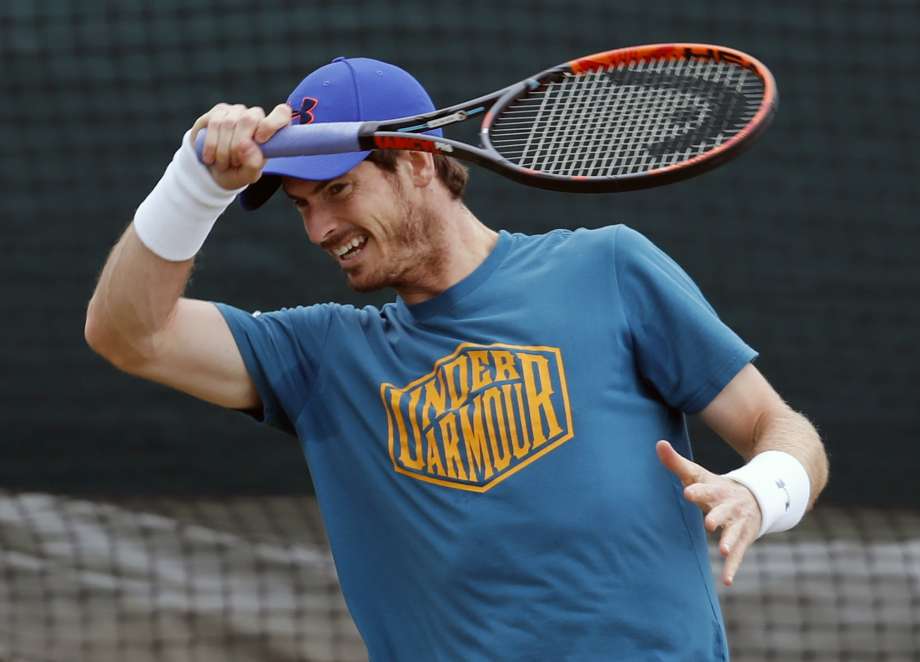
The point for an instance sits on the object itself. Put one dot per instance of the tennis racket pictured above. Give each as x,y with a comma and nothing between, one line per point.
624,119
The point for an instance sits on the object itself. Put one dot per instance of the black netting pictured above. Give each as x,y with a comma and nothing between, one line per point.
241,579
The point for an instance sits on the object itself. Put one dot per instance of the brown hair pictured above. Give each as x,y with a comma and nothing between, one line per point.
453,174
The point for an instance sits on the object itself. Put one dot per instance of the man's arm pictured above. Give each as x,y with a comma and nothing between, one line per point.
752,418
137,321
137,318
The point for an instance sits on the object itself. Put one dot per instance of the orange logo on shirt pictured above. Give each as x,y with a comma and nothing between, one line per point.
483,413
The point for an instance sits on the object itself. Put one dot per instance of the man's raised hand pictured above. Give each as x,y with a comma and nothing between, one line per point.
231,147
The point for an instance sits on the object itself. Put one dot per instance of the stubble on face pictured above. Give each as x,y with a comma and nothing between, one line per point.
412,251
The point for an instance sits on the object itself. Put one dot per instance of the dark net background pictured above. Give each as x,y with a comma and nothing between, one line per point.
807,246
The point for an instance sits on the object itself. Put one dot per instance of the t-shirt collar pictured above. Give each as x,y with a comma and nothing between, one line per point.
449,298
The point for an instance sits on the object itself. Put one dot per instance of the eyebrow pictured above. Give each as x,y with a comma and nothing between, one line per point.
316,190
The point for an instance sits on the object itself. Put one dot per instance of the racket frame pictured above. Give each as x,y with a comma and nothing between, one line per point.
403,133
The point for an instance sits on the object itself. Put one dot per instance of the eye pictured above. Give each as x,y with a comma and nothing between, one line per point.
299,203
337,188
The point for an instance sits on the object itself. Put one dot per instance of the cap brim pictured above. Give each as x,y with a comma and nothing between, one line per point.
311,168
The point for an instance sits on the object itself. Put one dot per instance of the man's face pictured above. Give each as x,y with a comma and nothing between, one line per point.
373,223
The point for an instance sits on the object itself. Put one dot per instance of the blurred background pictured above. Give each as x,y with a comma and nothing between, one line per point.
137,523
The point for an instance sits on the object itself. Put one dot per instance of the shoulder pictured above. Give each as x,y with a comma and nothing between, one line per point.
577,239
634,251
315,319
581,245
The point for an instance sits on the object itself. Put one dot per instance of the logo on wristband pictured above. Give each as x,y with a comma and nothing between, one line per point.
781,484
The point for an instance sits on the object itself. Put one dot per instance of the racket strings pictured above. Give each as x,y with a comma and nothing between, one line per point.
579,117
692,127
577,122
628,119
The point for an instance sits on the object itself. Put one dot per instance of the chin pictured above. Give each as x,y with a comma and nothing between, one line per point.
365,287
365,283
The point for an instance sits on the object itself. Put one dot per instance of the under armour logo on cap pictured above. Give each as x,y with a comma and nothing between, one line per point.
304,114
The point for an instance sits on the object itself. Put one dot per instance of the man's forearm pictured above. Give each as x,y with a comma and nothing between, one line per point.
134,298
789,431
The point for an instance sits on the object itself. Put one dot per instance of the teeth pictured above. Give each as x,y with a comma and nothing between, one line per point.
344,248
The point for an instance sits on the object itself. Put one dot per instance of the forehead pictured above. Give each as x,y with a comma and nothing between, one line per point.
305,187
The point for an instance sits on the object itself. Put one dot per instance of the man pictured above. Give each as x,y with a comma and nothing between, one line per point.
484,448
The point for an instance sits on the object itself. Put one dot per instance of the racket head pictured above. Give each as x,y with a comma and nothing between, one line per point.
630,118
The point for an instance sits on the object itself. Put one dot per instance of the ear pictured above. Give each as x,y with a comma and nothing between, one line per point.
421,168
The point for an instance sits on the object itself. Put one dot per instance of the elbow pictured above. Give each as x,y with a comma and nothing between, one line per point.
93,330
102,337
97,331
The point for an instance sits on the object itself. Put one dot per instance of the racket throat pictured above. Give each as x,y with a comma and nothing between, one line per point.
453,118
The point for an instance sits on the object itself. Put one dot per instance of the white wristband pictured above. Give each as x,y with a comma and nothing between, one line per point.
175,219
781,486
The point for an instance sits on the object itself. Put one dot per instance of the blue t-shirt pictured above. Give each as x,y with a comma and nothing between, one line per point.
485,461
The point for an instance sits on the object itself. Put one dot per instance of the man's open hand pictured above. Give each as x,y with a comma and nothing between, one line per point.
728,505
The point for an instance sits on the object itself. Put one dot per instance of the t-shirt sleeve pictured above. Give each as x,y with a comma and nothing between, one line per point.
681,346
280,350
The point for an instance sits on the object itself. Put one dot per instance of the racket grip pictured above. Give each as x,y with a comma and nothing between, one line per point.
305,140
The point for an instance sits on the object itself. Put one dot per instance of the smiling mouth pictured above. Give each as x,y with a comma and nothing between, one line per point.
350,249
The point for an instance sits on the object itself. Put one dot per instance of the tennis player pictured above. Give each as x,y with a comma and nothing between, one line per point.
500,455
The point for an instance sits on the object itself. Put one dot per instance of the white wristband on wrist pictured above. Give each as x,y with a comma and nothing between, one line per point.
781,486
175,219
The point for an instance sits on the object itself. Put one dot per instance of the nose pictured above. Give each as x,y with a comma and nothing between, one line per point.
320,225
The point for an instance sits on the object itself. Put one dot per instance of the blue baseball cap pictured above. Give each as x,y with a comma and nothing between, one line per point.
345,90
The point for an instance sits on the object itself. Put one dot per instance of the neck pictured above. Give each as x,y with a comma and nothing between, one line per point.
465,243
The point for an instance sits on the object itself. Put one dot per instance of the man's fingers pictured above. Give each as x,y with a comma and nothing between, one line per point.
243,151
738,532
233,131
688,472
718,516
706,496
732,538
736,550
279,118
212,120
229,148
227,126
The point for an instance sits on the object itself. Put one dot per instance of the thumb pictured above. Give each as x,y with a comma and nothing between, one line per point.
688,472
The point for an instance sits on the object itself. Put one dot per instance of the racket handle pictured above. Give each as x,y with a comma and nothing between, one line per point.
305,140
